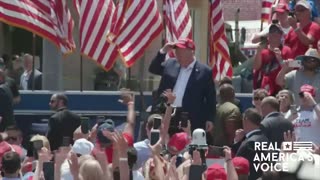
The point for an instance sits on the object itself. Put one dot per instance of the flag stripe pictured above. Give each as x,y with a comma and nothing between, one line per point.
143,24
95,24
177,20
49,20
219,50
266,9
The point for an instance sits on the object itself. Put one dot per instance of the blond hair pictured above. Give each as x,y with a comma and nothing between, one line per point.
91,170
44,140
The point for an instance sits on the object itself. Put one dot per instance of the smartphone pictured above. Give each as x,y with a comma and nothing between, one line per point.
37,145
85,125
216,151
48,170
155,136
184,117
66,141
196,171
293,109
157,122
295,64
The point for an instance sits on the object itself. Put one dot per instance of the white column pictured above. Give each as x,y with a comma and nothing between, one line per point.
52,67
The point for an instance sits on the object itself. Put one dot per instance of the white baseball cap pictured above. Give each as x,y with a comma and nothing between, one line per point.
82,146
303,3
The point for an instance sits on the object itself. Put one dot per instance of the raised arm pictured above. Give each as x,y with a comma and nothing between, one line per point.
156,66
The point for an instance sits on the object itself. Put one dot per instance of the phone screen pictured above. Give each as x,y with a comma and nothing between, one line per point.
156,123
196,171
155,136
85,125
37,145
48,170
216,151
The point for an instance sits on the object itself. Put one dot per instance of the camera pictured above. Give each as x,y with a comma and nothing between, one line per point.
199,143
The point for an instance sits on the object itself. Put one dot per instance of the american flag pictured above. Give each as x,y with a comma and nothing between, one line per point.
177,19
219,50
49,19
95,23
266,9
127,28
141,26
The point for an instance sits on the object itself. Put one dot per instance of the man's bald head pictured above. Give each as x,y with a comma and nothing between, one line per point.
226,92
269,104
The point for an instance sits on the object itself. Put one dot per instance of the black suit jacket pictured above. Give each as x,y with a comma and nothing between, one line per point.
200,96
62,124
246,149
37,80
274,125
6,107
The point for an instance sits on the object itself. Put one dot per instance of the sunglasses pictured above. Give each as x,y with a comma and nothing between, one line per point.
12,138
258,98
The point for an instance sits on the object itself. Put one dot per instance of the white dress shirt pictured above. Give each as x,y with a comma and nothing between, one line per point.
24,80
181,84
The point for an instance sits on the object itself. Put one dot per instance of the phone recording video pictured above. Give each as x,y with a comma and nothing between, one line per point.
48,170
155,136
36,146
157,122
85,125
216,151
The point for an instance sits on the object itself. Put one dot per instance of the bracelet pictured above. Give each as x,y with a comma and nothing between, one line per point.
123,159
228,160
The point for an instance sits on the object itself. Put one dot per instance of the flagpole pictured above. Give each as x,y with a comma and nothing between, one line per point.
33,60
81,73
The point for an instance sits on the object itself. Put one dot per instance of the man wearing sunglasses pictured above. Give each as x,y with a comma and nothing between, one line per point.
307,74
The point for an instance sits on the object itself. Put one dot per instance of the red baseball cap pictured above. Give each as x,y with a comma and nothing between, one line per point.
241,165
216,172
309,89
282,7
179,141
185,43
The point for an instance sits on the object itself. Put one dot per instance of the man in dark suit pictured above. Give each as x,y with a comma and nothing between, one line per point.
61,124
30,77
11,83
6,103
274,124
252,133
190,80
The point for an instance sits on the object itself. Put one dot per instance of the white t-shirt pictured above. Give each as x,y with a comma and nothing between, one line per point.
307,126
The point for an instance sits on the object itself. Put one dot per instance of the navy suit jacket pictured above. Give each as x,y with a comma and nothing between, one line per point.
199,99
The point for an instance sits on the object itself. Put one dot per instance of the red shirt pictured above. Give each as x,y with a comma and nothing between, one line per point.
296,45
270,68
109,151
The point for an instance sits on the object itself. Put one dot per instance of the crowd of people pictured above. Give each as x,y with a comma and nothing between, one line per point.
197,128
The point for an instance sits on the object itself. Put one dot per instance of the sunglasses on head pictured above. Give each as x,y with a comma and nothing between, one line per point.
258,98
